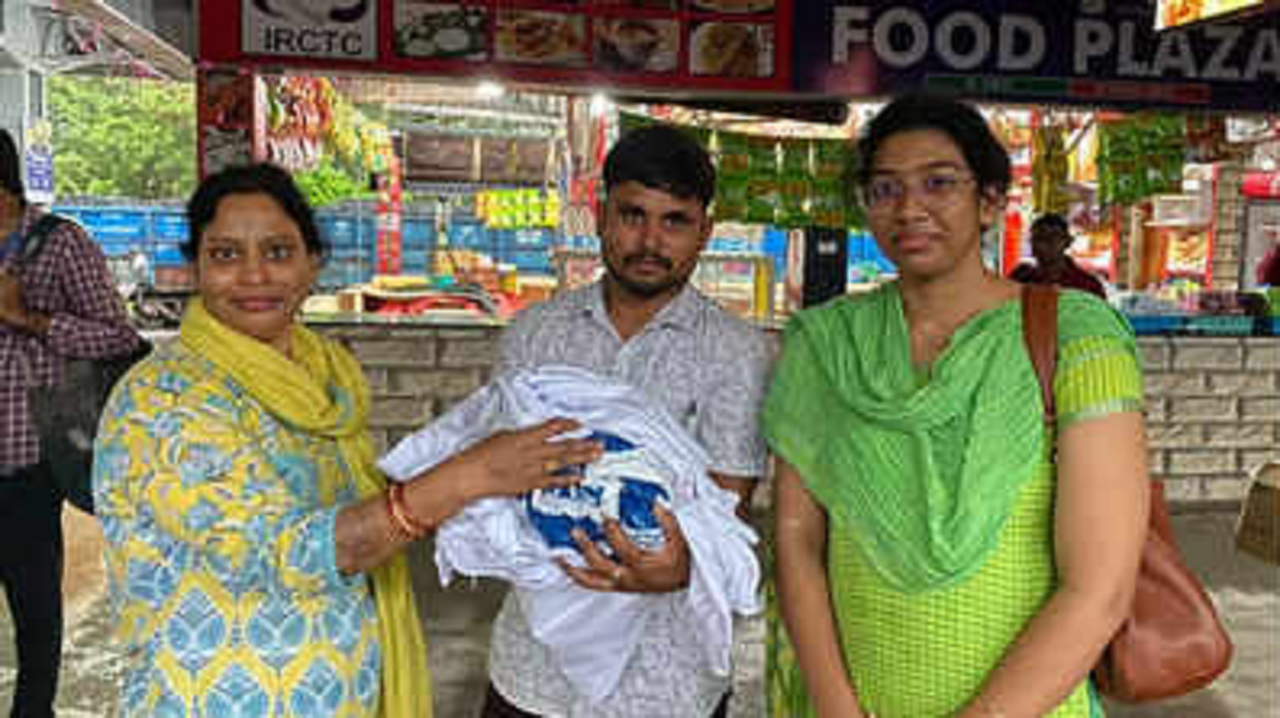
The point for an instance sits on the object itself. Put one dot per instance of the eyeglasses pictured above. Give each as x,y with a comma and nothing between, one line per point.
935,189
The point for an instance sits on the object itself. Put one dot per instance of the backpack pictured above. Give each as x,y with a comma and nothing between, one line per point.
65,416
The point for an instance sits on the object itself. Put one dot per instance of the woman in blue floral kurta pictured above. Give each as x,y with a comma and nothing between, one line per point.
253,550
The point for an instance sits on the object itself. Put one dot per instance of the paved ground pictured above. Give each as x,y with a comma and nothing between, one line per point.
1247,591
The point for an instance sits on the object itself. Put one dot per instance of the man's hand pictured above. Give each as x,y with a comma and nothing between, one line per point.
13,310
635,570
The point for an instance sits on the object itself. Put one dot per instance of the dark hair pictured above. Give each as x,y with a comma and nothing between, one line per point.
986,157
11,168
664,158
260,178
1051,222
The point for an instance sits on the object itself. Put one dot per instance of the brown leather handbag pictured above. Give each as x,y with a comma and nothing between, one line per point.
1173,642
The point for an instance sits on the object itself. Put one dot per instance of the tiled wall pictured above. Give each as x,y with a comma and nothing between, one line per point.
1213,404
1213,412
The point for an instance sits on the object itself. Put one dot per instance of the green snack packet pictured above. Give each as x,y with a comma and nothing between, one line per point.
762,198
764,155
731,199
797,157
830,159
734,155
794,191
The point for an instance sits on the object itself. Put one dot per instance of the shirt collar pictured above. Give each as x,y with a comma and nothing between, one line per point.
679,313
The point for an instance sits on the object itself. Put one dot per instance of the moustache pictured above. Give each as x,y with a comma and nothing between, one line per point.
654,258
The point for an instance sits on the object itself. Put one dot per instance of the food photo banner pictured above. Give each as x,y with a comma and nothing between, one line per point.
1087,52
738,46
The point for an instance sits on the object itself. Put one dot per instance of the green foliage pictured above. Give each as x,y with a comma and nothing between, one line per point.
123,137
327,184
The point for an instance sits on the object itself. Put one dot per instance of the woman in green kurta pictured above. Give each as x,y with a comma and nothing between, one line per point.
935,557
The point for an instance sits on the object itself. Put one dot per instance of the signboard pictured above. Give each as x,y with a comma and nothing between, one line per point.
338,29
1177,13
38,159
1090,52
669,45
1085,52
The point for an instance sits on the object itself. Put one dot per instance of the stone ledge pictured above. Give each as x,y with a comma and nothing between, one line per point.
1194,354
395,352
1189,462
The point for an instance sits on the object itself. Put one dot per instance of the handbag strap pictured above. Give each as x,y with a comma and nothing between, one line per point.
34,242
1040,334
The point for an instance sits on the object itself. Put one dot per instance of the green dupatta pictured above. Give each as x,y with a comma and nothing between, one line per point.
924,474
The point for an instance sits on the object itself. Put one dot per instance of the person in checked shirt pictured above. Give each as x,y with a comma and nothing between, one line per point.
60,303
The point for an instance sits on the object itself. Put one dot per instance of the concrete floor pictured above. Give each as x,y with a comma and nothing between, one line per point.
1247,592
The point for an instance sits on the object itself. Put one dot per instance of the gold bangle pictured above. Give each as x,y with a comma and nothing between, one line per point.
417,527
400,529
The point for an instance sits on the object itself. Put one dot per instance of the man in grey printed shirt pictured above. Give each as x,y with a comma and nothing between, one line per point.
645,324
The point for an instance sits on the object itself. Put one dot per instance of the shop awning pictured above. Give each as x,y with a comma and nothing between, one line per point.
93,34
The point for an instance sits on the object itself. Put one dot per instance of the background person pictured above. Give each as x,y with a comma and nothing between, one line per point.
645,324
60,303
254,553
933,558
1268,269
1050,240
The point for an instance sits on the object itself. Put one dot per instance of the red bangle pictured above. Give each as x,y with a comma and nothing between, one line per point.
415,526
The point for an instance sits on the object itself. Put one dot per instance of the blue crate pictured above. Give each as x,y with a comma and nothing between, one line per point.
1157,324
338,232
418,230
1221,325
67,211
341,253
169,256
527,239
732,245
864,250
528,262
172,226
470,236
115,224
116,250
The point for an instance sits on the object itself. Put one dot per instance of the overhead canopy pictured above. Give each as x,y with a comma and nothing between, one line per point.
91,36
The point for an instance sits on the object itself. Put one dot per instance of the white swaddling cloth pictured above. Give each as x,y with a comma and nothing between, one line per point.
590,634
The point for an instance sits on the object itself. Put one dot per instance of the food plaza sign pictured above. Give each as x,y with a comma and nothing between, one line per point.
1091,52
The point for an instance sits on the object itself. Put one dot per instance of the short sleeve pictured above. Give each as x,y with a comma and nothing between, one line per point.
793,414
729,418
1098,366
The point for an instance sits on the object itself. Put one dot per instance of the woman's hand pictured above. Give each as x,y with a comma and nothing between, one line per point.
510,463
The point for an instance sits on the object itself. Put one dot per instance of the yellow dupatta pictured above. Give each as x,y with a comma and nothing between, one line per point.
322,391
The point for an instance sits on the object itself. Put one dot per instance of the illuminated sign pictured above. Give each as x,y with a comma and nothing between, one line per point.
1176,13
